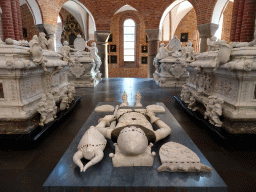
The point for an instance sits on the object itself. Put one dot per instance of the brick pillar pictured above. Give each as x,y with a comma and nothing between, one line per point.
153,44
7,19
15,20
102,39
247,28
234,20
239,20
206,30
19,19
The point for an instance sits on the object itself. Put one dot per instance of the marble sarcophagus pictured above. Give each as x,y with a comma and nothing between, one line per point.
222,86
171,64
32,82
84,68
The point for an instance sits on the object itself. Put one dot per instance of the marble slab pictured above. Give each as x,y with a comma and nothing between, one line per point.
66,176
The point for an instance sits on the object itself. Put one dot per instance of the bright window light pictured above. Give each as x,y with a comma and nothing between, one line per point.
129,40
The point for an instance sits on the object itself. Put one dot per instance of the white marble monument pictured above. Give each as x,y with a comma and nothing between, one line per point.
32,81
131,130
84,66
222,86
171,64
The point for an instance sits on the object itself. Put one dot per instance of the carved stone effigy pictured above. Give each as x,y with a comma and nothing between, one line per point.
171,65
84,66
131,130
32,81
178,158
223,86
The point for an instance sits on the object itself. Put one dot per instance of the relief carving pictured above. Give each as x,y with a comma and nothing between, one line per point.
213,111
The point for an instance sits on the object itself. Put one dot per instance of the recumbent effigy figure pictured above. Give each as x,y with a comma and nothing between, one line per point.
130,128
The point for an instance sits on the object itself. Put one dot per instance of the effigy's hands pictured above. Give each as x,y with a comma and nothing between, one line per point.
150,114
108,118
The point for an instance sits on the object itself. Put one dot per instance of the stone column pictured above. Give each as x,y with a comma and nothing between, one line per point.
153,44
206,31
7,21
15,20
248,23
50,30
102,39
19,19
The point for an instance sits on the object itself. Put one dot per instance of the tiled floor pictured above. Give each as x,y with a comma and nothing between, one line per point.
27,170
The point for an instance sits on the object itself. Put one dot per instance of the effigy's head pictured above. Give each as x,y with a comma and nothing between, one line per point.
132,141
93,44
88,154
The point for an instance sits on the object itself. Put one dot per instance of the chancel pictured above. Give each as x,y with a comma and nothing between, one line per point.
127,95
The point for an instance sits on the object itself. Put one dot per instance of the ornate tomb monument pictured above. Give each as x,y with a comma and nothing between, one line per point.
83,66
222,86
94,153
33,82
171,65
131,130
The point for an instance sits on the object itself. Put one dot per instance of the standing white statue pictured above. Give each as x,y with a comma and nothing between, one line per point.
163,52
94,54
189,52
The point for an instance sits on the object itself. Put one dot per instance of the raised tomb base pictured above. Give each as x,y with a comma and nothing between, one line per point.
222,87
104,176
28,140
167,80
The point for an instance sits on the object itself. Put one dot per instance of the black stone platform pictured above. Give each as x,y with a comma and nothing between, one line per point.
219,132
37,135
66,176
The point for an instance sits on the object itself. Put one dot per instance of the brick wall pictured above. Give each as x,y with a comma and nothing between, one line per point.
104,10
120,69
28,22
189,25
1,29
226,27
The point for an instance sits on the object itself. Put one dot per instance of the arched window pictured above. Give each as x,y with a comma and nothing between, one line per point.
129,40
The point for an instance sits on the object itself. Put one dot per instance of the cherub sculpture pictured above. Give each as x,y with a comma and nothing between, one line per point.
189,52
130,128
43,41
212,44
65,51
94,54
163,52
213,110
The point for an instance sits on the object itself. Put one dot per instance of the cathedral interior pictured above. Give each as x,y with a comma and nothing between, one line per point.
128,34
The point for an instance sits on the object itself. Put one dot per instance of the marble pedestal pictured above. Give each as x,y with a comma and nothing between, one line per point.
66,176
84,73
171,72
